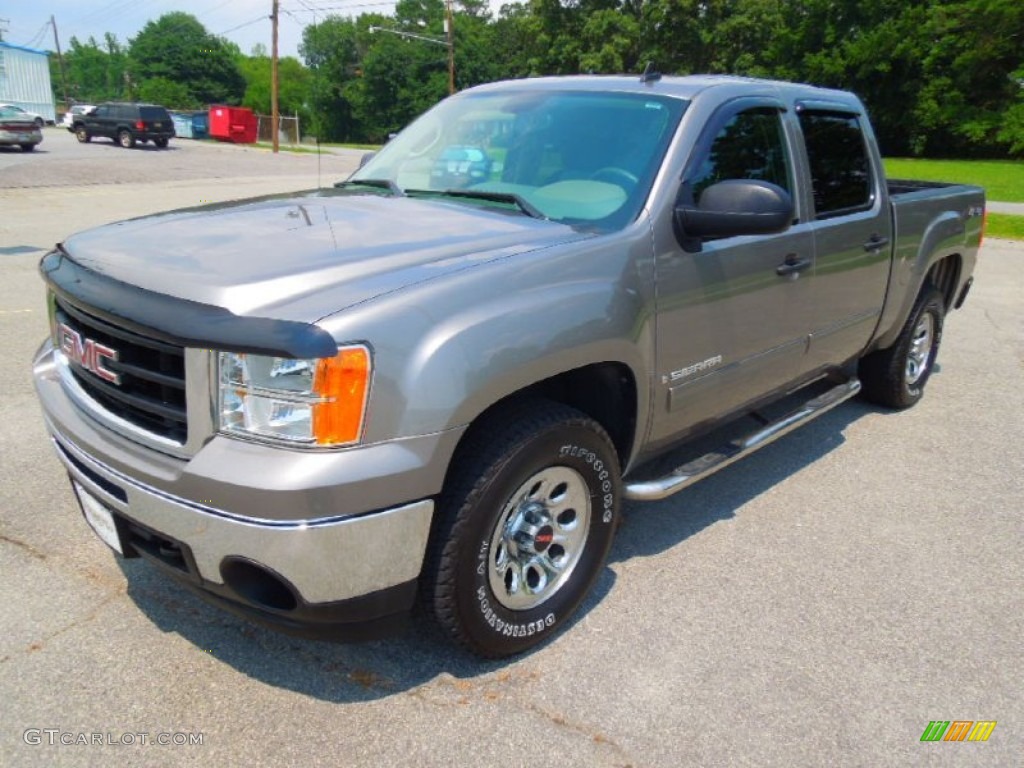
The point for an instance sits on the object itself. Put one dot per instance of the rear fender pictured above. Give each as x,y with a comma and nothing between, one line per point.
944,236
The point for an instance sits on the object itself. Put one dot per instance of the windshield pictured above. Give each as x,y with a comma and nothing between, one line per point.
578,157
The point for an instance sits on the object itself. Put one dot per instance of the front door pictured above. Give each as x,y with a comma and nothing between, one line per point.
731,322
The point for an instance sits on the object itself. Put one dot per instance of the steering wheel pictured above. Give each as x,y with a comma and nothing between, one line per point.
615,175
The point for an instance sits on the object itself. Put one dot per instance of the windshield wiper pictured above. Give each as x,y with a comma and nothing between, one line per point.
495,197
385,184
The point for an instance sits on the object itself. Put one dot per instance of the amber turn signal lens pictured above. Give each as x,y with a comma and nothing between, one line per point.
342,383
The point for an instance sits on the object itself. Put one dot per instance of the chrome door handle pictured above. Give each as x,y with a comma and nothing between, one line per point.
792,265
876,243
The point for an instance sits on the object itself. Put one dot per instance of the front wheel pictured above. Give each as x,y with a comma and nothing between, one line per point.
524,526
82,135
125,139
895,377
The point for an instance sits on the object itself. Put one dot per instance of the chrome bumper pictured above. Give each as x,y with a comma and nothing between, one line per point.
326,560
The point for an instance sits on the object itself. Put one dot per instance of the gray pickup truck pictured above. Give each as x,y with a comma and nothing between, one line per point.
436,382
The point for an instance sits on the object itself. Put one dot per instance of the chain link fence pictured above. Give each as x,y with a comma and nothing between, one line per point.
287,131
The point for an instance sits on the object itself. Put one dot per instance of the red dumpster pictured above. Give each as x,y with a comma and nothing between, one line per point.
237,124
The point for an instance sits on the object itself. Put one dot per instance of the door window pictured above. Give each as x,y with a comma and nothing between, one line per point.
751,145
840,171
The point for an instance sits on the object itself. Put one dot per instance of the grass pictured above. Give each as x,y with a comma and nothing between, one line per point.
1005,226
282,147
367,147
1003,180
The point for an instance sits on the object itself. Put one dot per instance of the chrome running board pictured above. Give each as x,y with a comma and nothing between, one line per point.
689,473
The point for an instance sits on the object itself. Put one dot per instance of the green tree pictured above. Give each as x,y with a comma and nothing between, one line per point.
94,72
177,48
168,93
293,90
330,50
972,99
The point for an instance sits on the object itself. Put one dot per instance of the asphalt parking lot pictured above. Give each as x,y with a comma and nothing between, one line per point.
817,604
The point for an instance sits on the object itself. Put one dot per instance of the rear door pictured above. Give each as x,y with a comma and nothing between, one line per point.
730,327
852,232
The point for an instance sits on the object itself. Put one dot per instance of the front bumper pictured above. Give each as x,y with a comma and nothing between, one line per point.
337,575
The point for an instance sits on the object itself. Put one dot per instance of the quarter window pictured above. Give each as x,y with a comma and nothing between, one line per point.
840,171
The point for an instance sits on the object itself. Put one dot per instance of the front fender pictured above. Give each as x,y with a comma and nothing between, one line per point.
445,350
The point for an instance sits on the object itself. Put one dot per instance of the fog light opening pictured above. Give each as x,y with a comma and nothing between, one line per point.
258,584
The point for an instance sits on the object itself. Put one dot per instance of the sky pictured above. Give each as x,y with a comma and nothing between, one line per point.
245,22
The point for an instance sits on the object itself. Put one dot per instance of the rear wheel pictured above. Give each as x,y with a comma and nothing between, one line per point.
895,377
125,139
162,143
524,525
28,147
82,135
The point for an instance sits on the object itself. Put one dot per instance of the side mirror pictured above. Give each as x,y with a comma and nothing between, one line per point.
367,157
737,207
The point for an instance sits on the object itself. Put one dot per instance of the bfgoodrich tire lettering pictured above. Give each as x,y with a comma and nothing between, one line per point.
896,377
524,526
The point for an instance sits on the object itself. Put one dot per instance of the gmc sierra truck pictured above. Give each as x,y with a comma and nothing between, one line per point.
437,382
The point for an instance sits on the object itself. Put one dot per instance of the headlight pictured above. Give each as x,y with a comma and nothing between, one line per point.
305,402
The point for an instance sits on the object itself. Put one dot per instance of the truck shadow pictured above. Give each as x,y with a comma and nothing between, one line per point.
650,528
424,661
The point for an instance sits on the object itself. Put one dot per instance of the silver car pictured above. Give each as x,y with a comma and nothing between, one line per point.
18,129
38,119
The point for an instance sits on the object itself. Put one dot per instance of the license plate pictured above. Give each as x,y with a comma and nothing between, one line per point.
158,125
100,519
24,137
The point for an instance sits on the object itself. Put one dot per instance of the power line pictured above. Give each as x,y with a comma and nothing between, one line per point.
322,9
37,38
240,26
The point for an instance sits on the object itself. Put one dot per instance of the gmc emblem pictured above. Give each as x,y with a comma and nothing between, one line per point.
87,353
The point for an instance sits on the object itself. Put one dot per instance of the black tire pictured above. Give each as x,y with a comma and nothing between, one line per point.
82,135
161,143
40,123
28,147
125,138
895,377
539,484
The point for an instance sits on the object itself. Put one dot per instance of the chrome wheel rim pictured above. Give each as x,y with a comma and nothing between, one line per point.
539,538
919,355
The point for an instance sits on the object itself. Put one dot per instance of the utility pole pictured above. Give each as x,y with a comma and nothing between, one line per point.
60,58
274,116
451,48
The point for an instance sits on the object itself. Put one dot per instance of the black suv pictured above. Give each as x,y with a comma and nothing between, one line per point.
126,124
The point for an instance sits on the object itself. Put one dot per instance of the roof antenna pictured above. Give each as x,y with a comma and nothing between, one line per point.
650,75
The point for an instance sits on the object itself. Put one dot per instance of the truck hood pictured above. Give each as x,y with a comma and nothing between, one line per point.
270,257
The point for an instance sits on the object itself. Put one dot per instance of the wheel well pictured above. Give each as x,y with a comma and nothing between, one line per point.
606,392
945,275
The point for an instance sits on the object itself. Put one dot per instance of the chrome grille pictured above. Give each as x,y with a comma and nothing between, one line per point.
151,392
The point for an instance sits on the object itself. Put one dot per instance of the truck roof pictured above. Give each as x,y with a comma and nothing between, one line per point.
683,87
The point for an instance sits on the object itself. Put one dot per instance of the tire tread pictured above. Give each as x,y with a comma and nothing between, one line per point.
475,464
882,372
